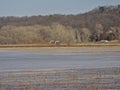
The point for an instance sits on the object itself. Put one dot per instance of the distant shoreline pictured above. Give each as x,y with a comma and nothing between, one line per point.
61,45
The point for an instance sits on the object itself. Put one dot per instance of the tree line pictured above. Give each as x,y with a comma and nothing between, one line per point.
102,23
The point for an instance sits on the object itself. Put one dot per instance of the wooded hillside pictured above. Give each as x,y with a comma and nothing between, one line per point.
102,23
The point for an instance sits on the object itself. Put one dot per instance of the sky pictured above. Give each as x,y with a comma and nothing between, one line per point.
48,7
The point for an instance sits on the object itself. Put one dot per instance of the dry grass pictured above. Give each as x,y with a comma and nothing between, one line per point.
69,79
61,45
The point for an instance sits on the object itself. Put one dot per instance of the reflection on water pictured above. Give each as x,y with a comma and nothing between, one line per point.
58,58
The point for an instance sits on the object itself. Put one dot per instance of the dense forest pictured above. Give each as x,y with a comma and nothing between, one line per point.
102,23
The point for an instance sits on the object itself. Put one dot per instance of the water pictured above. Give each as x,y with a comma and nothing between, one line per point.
58,58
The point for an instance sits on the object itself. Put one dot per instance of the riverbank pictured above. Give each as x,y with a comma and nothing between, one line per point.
70,79
61,45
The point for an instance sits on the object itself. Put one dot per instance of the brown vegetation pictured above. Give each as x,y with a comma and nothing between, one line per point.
69,79
102,23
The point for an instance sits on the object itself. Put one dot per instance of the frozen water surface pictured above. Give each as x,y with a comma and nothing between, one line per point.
58,58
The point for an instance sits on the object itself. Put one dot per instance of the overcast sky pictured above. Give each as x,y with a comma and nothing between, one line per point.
47,7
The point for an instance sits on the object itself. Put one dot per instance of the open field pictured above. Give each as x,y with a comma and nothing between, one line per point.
67,79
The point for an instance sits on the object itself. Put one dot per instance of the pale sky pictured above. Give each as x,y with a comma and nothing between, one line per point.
47,7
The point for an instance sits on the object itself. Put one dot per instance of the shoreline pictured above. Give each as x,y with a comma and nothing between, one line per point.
63,69
61,45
